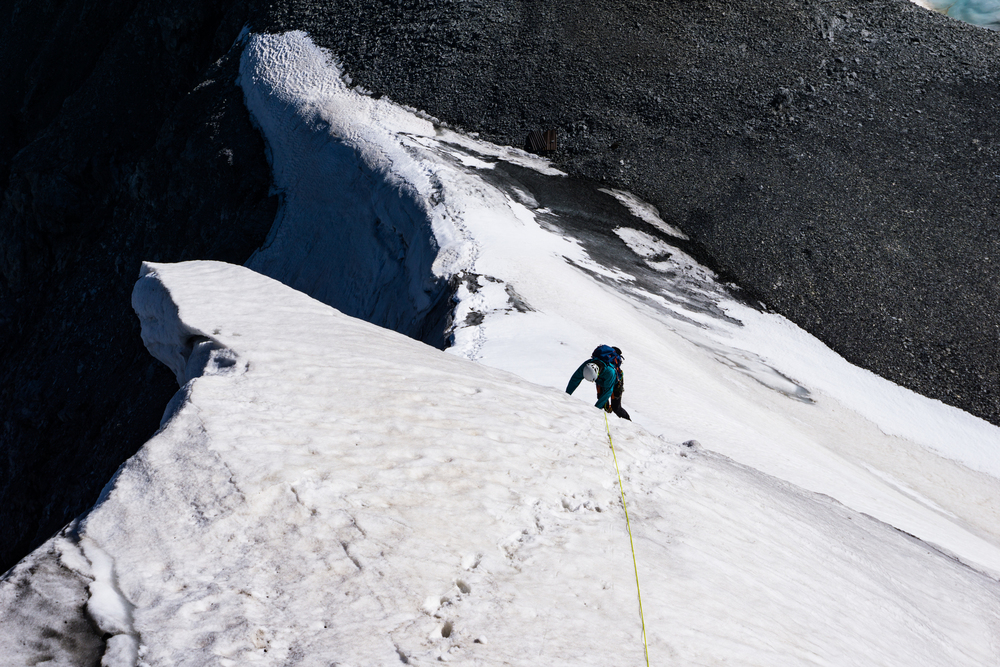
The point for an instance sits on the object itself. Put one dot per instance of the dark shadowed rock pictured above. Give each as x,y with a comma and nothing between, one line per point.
126,139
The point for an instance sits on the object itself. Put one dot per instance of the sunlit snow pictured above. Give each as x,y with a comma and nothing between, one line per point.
325,491
689,346
303,505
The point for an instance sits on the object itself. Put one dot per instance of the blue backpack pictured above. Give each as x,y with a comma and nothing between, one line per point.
610,356
607,355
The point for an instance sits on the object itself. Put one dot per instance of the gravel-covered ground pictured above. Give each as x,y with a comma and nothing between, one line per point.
836,159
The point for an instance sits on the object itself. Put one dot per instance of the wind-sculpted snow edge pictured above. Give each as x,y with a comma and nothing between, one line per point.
185,350
523,246
354,229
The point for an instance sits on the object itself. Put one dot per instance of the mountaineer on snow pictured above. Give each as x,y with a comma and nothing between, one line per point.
603,369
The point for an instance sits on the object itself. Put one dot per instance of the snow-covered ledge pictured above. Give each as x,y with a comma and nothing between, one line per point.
354,228
187,351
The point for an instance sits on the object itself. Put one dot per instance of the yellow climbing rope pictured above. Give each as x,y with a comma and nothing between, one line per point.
621,487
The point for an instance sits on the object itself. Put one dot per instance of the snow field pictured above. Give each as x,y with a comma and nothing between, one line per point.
344,495
390,478
535,294
324,491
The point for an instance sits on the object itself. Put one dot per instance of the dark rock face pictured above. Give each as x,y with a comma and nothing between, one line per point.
835,158
124,138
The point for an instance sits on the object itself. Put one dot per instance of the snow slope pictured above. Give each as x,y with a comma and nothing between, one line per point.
546,268
326,491
307,506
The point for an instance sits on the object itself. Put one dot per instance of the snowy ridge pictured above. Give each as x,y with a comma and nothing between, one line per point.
543,268
188,352
403,505
325,491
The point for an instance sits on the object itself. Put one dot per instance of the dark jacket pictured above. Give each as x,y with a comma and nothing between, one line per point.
606,381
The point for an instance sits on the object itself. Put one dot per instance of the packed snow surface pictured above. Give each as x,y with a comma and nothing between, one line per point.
539,285
327,491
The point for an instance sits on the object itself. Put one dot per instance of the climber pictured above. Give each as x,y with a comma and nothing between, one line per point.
603,369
